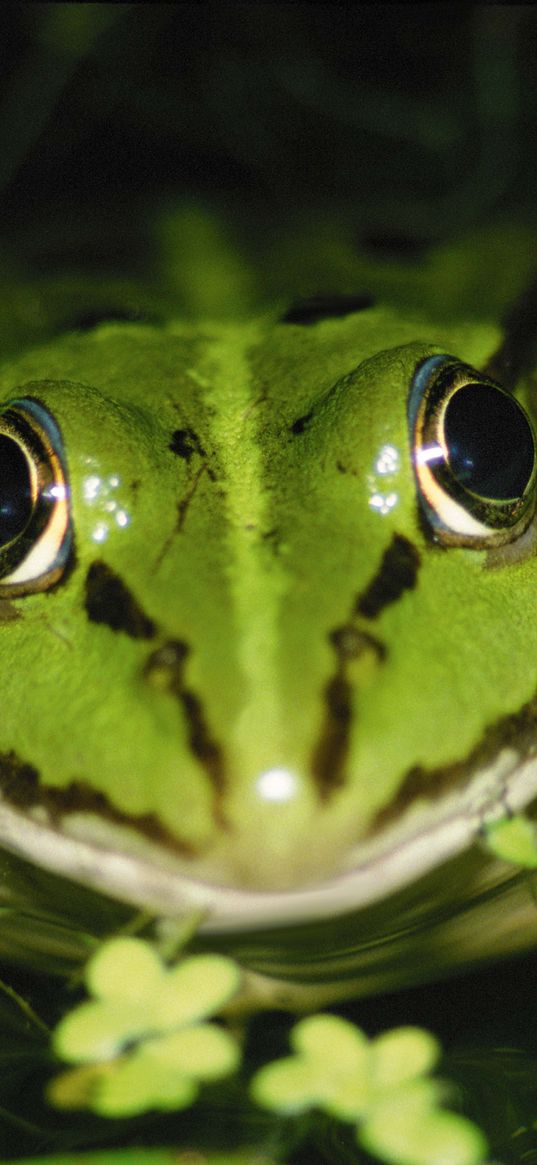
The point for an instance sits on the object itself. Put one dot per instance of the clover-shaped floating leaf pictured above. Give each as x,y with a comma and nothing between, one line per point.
408,1128
329,1069
166,1073
514,840
381,1085
142,1031
337,1068
137,996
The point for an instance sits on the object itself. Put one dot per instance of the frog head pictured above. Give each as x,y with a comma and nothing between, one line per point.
267,607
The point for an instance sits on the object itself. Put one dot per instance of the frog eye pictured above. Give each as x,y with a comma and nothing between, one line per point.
35,533
474,455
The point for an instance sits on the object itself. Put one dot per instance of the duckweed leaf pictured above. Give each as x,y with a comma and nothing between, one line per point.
145,1041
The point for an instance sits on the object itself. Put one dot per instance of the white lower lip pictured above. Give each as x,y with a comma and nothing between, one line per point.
404,855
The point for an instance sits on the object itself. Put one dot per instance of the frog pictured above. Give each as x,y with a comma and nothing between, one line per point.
267,639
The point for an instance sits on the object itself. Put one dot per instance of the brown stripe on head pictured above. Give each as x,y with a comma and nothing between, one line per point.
398,572
22,788
165,669
329,758
108,600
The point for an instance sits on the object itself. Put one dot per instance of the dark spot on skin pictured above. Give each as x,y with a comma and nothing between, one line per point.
21,787
165,670
394,246
109,601
517,353
185,443
325,307
302,423
341,468
397,573
272,539
89,320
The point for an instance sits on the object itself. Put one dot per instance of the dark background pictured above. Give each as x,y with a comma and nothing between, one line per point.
414,121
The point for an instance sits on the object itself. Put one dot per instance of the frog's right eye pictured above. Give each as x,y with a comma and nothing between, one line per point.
474,453
35,528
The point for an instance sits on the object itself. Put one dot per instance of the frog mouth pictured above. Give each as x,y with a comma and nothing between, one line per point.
417,897
435,815
408,907
407,848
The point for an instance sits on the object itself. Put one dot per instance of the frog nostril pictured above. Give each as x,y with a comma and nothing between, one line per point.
185,443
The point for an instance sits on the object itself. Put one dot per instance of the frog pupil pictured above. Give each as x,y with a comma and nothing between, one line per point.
16,502
490,443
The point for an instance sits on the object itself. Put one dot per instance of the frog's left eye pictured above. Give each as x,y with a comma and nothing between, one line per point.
474,455
35,531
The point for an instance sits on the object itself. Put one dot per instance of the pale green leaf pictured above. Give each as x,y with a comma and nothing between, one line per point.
130,1089
407,1128
97,1031
287,1086
75,1088
196,988
402,1054
514,840
331,1040
351,1097
205,1052
124,968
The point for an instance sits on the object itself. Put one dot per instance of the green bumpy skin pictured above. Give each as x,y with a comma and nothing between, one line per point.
249,549
214,688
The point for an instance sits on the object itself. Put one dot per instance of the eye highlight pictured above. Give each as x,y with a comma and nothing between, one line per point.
35,527
474,455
